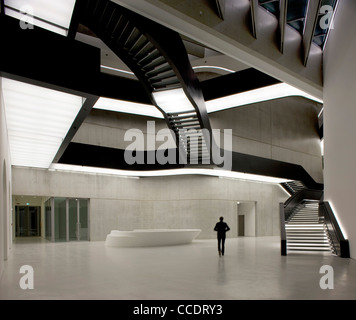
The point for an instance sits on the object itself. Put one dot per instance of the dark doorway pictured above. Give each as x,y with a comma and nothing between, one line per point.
241,226
28,221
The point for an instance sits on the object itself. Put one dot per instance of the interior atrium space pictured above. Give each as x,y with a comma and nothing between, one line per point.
162,151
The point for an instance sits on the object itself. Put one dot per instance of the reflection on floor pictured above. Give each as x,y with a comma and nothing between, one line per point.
252,268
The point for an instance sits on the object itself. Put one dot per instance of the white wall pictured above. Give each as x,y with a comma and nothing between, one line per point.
161,202
5,188
339,118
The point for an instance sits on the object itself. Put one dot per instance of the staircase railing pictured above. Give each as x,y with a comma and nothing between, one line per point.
339,243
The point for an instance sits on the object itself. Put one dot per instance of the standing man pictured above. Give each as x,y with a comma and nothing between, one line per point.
221,227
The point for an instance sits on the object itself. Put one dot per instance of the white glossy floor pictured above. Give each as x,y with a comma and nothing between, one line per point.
252,268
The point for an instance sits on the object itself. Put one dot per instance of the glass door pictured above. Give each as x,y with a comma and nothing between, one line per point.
27,221
60,219
83,219
73,219
67,219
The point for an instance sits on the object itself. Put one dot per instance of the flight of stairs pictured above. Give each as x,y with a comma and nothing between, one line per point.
305,231
190,134
124,32
293,186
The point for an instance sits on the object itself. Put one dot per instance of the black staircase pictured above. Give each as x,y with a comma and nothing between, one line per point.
293,186
159,59
190,136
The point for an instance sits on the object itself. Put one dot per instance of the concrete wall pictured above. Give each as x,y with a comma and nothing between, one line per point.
107,129
339,119
282,129
5,188
161,202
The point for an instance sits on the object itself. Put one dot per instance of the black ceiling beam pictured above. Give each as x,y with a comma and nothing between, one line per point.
82,114
2,7
254,7
283,7
74,23
234,83
112,158
272,168
220,8
310,26
44,58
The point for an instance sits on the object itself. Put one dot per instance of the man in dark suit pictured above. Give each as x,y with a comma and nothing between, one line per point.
221,227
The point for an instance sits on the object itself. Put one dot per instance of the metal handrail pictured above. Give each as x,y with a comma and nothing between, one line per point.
340,244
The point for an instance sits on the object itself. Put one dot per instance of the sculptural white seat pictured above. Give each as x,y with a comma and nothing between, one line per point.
150,237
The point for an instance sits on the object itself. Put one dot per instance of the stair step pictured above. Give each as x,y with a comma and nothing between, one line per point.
308,249
125,33
161,69
165,81
307,239
163,75
307,244
139,47
185,122
159,61
150,56
143,51
132,40
186,114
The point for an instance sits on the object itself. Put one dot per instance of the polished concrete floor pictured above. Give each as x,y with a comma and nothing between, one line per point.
252,268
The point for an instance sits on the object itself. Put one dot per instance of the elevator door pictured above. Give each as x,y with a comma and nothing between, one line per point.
28,221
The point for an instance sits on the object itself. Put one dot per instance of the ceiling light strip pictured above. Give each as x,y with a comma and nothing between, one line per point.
117,70
276,91
128,107
165,173
213,67
172,101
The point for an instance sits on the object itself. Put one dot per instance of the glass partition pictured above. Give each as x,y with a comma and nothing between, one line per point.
66,219
73,217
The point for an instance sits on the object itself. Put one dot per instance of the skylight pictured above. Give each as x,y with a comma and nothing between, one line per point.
38,120
52,15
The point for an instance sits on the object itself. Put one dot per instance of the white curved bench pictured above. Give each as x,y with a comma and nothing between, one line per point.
150,237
